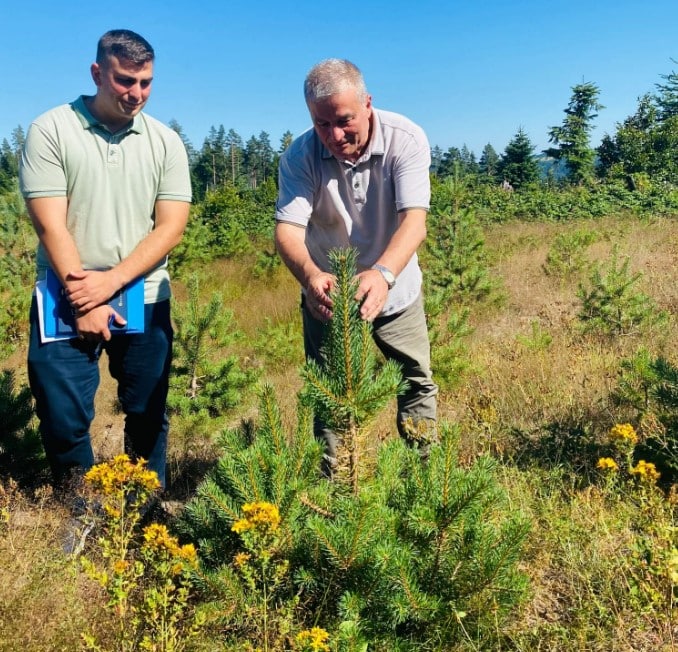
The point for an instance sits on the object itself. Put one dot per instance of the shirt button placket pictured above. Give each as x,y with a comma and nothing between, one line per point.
113,152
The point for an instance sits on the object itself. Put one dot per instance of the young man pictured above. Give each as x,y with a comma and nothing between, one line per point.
360,178
108,190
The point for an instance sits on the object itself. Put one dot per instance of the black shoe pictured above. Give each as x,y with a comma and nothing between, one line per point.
77,529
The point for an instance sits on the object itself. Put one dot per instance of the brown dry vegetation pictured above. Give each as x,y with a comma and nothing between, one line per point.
508,403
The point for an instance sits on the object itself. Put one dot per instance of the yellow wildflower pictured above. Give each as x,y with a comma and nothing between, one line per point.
314,640
113,512
241,559
188,553
607,464
156,533
158,536
243,525
646,471
624,432
261,516
120,566
119,473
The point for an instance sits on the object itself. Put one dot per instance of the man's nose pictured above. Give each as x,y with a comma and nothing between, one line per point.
135,91
337,133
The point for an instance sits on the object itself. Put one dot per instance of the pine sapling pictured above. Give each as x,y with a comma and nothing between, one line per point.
347,391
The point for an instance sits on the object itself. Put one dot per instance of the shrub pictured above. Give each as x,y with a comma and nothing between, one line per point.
649,385
567,254
611,305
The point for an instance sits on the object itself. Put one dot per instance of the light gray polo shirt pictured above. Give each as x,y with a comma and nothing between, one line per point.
112,182
342,204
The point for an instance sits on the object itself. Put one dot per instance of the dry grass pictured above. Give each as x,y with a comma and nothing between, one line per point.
522,389
44,603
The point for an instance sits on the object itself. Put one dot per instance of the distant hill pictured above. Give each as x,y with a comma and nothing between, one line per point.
549,166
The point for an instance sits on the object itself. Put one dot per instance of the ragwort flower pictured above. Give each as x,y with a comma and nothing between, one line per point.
260,516
624,433
607,464
241,559
158,539
120,474
313,640
646,471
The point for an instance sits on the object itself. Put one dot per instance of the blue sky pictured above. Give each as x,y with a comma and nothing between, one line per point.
468,72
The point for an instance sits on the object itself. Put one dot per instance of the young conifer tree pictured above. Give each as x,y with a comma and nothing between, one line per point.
347,390
424,553
205,380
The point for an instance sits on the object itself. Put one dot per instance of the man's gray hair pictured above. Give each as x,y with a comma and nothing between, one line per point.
125,45
333,76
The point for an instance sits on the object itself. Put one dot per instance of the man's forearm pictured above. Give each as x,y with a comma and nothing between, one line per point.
170,222
405,241
90,289
48,215
290,243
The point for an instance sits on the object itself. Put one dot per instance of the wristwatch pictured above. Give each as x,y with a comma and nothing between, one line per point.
388,275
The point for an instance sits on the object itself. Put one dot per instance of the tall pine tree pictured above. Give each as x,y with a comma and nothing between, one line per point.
518,165
572,138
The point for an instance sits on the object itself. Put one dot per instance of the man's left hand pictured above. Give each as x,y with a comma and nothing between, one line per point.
371,294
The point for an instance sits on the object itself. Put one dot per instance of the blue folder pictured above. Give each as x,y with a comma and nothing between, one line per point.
60,320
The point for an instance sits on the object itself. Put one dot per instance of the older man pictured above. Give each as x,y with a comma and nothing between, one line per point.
108,190
360,178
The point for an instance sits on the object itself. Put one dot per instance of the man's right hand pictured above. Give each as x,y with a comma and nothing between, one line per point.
95,325
318,299
87,289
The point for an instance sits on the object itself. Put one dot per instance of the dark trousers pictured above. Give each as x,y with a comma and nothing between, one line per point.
64,377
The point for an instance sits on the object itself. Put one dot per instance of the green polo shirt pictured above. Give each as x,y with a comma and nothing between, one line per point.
112,181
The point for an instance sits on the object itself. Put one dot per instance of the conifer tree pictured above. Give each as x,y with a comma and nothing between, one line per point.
262,461
21,451
488,164
456,273
285,141
517,164
200,384
630,150
415,556
436,160
347,391
572,138
667,98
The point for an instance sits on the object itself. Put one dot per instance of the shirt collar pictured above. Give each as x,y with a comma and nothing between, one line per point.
88,121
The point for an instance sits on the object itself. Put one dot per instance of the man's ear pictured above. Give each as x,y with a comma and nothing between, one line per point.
95,71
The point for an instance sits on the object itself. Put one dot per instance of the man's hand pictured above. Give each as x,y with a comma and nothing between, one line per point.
95,325
318,299
87,289
371,294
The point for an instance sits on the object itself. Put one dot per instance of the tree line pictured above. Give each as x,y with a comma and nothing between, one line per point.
643,149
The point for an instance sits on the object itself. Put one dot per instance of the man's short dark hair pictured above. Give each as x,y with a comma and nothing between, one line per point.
124,44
